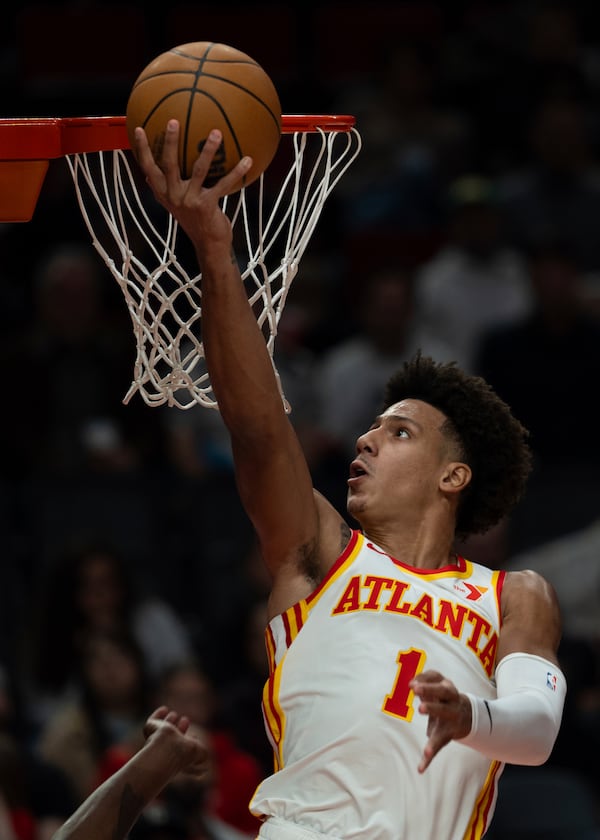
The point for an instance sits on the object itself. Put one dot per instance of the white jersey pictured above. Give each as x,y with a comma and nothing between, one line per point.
344,726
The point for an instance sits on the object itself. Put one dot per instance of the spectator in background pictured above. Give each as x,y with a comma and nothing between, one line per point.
236,773
183,810
476,279
534,363
241,713
502,59
197,442
110,702
570,563
161,793
557,192
297,368
352,373
35,796
90,588
72,368
17,821
412,141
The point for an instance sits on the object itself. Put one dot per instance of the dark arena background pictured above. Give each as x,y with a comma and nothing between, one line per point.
469,225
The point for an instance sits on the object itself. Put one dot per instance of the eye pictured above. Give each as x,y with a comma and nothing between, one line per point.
402,432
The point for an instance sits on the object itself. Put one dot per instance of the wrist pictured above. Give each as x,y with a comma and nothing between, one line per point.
217,252
164,749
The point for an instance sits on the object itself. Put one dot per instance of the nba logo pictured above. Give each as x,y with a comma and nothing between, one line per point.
551,680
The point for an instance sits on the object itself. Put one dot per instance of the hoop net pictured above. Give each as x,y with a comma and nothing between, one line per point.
141,246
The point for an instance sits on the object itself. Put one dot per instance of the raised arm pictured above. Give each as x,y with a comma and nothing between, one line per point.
271,471
112,809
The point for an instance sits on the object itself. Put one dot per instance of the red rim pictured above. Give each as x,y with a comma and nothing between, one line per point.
33,138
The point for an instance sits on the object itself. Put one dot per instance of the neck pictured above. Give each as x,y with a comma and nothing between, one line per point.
427,555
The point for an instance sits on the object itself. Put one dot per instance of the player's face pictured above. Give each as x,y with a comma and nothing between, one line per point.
399,464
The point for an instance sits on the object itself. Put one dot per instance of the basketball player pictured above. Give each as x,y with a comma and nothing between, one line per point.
403,676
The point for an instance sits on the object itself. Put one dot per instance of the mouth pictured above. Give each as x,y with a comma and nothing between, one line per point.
357,471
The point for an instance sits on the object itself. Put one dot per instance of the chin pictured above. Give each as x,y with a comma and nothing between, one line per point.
354,508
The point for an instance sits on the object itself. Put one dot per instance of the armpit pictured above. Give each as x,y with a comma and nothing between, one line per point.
308,562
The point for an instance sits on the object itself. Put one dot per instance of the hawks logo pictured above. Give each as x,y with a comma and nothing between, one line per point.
471,592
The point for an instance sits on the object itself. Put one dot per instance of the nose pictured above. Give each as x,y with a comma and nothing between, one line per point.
366,442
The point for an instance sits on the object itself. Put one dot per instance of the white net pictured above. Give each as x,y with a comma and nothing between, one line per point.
139,243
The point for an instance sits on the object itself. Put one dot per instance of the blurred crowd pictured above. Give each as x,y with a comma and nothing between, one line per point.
469,226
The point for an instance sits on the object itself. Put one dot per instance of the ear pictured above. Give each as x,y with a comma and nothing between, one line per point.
455,477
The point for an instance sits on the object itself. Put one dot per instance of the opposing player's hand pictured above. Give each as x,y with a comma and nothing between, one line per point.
195,206
172,731
449,712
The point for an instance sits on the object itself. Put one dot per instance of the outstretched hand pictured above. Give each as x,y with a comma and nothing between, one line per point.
194,205
449,713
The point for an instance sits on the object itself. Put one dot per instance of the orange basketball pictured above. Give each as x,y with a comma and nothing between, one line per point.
206,85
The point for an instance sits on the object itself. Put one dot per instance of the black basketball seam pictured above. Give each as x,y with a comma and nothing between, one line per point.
186,132
225,117
160,101
199,73
275,117
178,51
207,57
185,128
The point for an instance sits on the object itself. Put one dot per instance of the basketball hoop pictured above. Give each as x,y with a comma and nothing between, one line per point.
139,241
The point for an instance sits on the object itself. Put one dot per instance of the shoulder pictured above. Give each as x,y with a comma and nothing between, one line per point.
528,583
526,577
531,616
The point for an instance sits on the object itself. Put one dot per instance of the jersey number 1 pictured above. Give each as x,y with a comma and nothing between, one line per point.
399,701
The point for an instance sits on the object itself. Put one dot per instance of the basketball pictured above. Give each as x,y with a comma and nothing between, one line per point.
206,85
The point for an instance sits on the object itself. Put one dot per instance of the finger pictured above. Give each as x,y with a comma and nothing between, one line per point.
426,757
143,153
438,699
427,683
438,710
435,743
236,174
428,677
172,717
438,740
153,721
160,713
436,693
204,160
183,724
169,161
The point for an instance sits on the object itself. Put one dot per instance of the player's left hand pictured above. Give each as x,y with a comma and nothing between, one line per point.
449,712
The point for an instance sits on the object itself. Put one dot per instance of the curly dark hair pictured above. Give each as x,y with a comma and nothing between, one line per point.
493,442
